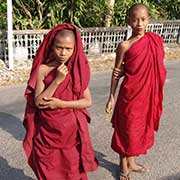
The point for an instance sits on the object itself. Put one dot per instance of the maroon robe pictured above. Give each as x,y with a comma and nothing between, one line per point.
139,104
57,142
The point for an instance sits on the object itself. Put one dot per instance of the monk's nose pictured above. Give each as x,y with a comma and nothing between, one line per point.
63,52
139,22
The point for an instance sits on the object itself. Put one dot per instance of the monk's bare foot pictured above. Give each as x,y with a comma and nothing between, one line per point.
138,168
123,169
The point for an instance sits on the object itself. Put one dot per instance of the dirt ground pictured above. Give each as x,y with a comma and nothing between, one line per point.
106,62
97,64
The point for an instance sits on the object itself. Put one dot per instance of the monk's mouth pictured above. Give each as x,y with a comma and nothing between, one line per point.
140,29
62,59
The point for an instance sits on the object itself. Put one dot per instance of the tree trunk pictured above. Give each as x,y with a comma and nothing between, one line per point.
110,12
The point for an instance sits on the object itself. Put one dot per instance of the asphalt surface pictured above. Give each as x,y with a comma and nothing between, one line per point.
163,159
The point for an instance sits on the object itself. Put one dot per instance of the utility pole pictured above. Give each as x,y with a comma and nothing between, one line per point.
10,34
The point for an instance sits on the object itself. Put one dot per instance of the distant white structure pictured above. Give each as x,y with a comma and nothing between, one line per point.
20,53
129,31
94,48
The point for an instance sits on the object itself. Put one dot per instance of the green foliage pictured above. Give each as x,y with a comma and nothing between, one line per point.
81,13
54,11
45,14
121,8
94,13
172,8
63,11
3,16
25,14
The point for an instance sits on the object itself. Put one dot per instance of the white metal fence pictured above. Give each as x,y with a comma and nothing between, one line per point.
95,40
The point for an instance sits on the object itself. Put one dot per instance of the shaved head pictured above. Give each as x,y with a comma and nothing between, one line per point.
135,7
65,33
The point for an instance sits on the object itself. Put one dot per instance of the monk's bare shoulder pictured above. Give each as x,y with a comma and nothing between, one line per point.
44,69
120,52
123,47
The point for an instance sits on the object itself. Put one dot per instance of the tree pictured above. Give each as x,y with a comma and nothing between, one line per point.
45,14
28,14
172,8
121,7
3,16
110,12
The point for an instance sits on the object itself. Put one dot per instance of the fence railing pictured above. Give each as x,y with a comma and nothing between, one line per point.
95,40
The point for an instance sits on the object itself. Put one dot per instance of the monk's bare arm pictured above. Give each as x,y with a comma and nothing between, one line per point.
54,103
85,102
40,91
39,82
120,52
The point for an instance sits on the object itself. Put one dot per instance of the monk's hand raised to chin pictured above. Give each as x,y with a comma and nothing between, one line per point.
51,103
61,73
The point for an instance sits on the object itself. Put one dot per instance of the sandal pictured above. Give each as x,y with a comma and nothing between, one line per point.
125,176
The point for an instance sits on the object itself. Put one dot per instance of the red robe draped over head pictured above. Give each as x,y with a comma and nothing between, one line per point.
139,104
57,142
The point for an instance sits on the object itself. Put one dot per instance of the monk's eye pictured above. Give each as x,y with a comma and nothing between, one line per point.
68,49
134,20
144,19
58,47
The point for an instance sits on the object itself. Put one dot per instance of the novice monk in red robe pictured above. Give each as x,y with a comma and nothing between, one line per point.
139,104
57,142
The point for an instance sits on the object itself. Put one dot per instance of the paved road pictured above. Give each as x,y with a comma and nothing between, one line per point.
163,158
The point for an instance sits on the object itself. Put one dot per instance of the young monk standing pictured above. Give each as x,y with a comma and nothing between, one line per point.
57,142
139,104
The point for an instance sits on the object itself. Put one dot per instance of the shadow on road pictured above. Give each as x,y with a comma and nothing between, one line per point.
172,177
8,172
12,125
111,167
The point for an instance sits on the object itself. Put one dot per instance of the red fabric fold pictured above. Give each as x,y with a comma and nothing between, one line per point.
57,142
139,104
